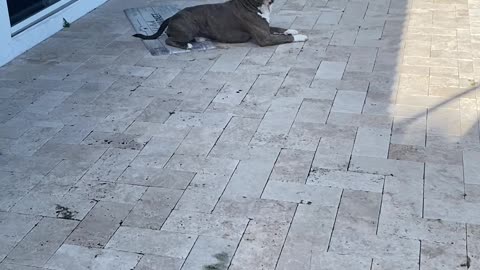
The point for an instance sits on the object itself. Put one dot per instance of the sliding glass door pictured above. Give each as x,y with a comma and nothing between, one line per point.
25,13
20,10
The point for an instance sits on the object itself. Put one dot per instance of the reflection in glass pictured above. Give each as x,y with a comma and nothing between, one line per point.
20,10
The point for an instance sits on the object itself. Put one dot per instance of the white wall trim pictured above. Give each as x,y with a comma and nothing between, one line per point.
11,47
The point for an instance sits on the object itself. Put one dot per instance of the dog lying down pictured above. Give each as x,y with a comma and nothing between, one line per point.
235,21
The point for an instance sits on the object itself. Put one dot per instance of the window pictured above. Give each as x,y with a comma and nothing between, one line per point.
25,13
19,10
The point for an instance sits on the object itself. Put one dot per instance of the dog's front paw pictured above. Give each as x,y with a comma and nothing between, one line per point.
300,38
189,46
291,32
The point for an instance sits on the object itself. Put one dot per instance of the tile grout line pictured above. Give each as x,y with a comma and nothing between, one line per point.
271,171
225,188
190,252
381,205
335,221
239,241
286,237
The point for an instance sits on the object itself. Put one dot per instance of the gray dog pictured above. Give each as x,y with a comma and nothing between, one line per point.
234,21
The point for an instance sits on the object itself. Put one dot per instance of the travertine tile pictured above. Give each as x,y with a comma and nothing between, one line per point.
117,140
111,165
261,245
156,177
11,266
473,243
106,191
292,166
235,91
245,152
443,182
471,170
77,257
308,237
360,120
41,242
348,102
71,152
153,208
14,227
374,246
208,165
396,263
151,262
15,186
330,161
271,131
54,205
345,180
249,179
358,212
99,225
422,229
299,77
210,252
229,62
301,193
314,111
372,142
239,130
362,60
330,70
203,193
389,167
256,209
344,37
32,140
153,242
336,146
455,260
199,141
213,225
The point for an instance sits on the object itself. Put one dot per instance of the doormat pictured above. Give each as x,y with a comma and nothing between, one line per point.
147,20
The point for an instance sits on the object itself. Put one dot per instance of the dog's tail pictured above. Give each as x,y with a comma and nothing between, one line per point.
162,28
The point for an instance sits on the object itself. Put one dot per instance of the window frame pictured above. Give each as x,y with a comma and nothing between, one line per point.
39,16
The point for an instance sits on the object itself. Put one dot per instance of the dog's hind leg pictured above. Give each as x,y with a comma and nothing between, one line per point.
178,44
181,33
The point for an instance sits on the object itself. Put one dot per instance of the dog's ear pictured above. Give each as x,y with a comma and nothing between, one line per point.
257,3
252,5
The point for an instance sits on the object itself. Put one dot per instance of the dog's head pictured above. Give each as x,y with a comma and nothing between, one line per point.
265,3
257,4
268,4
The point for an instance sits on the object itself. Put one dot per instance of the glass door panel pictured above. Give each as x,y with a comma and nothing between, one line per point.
21,10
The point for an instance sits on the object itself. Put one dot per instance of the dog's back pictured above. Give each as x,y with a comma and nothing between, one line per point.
205,18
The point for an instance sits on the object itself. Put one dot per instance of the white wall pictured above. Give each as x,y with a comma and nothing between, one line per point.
10,47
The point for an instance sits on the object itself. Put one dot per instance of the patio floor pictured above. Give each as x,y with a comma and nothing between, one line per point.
358,149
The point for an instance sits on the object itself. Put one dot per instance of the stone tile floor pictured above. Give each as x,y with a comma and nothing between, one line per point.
358,149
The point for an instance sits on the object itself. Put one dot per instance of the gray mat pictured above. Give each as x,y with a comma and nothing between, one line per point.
147,21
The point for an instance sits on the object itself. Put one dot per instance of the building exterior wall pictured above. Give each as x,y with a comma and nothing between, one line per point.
11,47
